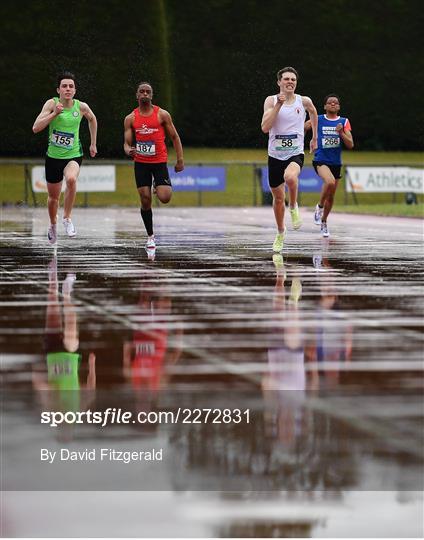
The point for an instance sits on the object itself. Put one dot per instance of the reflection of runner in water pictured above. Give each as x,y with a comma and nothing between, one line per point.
286,378
333,333
62,383
154,344
304,441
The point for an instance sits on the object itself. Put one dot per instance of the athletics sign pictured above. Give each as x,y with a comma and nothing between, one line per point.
199,179
91,178
309,181
384,180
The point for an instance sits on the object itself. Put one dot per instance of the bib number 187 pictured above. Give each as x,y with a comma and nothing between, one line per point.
146,148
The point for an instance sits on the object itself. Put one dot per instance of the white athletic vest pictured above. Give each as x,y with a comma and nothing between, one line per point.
286,137
287,369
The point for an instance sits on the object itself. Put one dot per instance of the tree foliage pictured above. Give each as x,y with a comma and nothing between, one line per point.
213,63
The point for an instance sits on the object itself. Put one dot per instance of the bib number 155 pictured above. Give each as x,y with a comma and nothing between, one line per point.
62,139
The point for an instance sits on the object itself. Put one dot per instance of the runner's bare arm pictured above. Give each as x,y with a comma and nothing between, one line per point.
307,126
313,117
92,126
166,121
271,111
48,112
129,149
346,136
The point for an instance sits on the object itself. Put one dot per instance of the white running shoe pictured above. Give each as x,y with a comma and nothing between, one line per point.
68,283
151,254
53,269
52,234
318,214
69,227
325,230
150,244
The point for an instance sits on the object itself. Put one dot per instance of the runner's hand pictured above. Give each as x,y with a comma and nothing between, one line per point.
281,98
313,145
93,150
179,166
58,108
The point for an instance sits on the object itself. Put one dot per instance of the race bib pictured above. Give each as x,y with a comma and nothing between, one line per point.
60,368
61,139
286,143
330,142
145,148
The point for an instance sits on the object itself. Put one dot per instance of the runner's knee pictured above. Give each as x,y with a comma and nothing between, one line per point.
278,198
53,197
71,181
146,201
164,197
331,185
165,200
290,178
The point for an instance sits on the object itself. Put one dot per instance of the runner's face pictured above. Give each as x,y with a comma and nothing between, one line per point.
288,82
144,94
332,105
66,89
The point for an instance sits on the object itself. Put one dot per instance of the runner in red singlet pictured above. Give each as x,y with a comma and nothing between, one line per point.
148,125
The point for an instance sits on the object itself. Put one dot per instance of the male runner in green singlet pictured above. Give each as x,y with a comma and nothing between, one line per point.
63,115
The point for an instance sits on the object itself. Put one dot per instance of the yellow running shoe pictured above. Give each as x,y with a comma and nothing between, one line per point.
295,217
278,261
277,246
296,290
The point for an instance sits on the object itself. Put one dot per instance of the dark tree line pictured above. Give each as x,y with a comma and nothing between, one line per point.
213,63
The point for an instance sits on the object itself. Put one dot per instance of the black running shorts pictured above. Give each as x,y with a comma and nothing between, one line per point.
54,168
277,167
145,172
336,170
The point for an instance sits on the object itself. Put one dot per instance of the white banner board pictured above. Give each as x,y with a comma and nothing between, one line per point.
384,180
91,178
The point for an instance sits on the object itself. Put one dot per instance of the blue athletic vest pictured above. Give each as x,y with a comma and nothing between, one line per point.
329,141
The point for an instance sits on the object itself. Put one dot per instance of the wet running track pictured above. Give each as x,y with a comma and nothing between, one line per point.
310,366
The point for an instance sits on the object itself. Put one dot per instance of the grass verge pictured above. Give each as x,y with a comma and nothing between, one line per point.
242,188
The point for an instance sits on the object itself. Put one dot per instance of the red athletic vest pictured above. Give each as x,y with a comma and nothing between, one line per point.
149,138
149,354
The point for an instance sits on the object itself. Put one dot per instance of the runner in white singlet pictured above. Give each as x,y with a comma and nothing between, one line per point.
283,119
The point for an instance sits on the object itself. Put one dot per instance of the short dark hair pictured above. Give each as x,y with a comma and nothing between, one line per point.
65,75
285,69
330,96
144,82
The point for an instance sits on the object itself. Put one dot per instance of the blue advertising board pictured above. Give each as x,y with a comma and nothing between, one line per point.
199,179
309,181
